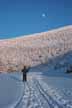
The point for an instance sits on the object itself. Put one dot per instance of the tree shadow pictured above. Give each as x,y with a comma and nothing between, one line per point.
56,66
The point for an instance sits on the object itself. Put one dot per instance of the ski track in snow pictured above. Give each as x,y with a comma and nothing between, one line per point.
39,94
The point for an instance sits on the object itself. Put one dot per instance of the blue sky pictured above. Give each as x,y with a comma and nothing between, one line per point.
20,17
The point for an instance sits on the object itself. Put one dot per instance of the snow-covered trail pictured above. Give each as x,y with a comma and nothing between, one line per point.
39,94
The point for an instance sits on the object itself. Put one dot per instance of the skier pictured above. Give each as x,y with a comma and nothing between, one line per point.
25,70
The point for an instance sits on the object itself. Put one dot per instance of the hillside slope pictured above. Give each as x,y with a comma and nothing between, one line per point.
34,49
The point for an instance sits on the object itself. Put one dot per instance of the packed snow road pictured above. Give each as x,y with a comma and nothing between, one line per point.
40,93
46,87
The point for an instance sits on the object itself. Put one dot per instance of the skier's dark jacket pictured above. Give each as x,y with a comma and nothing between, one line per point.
25,69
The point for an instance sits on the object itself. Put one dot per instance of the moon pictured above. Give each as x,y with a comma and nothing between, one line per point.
43,15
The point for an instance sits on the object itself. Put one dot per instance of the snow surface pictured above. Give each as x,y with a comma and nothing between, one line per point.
46,92
11,91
